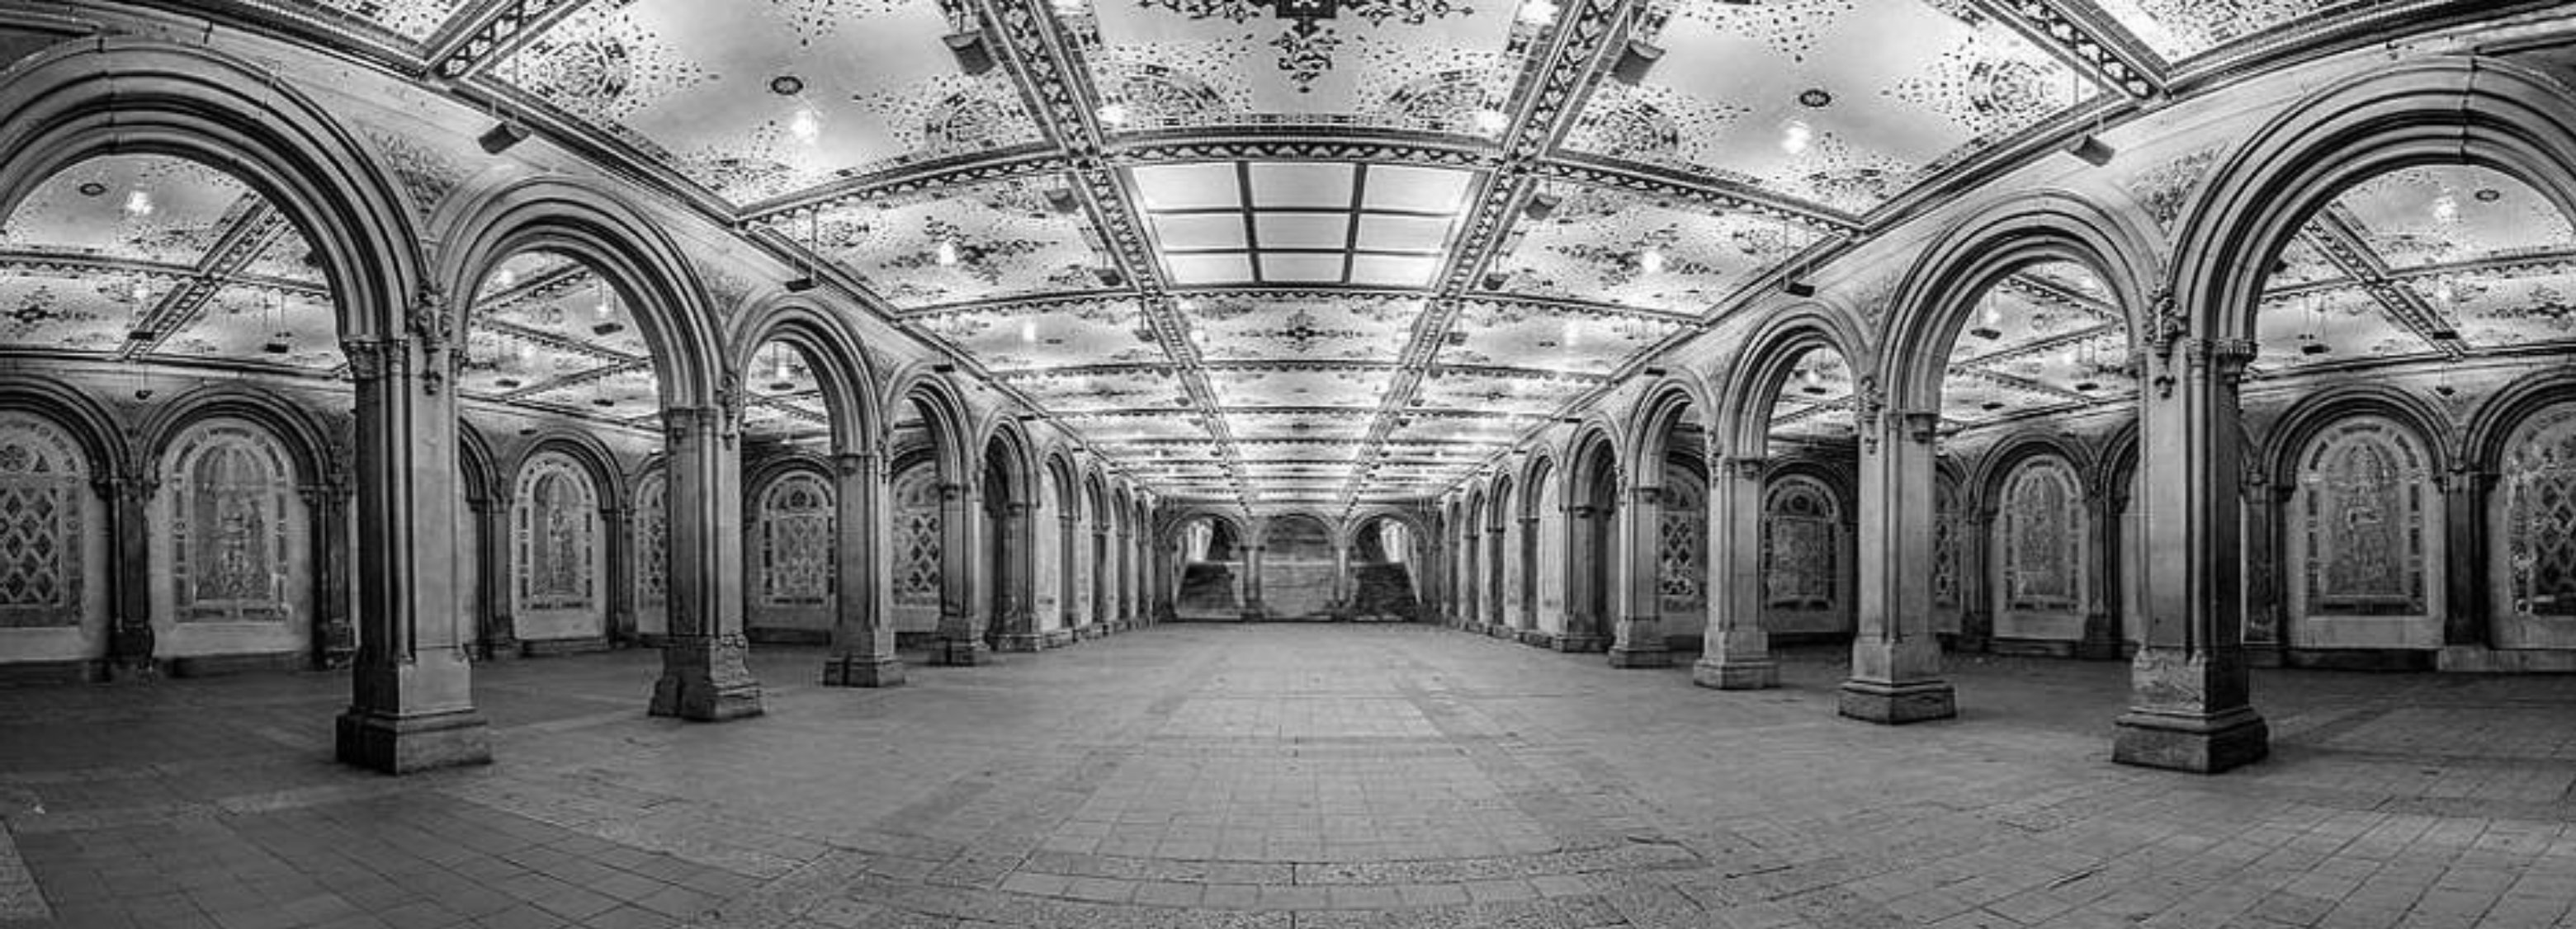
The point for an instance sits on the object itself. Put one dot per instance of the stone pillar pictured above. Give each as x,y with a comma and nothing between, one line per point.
2190,689
862,645
1341,577
2464,586
1071,599
619,554
1497,615
411,703
498,638
1126,590
1977,589
129,630
1252,562
1013,588
1527,610
1582,622
335,641
2101,640
1738,651
961,559
704,675
1636,583
1896,661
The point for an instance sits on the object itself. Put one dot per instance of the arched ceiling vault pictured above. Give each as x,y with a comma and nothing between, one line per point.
1299,254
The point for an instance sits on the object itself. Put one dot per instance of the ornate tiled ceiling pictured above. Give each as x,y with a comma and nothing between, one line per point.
1288,250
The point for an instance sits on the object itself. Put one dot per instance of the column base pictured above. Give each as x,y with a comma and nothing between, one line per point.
705,680
1056,638
963,653
862,671
2195,743
1533,637
1577,642
404,744
1641,656
1092,631
1736,675
1892,704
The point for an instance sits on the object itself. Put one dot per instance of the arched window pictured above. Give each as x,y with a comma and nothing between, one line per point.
232,512
1801,545
916,536
2039,534
653,545
2535,527
2360,511
1681,562
796,543
44,520
554,521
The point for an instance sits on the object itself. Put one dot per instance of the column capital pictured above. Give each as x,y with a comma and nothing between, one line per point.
855,464
951,491
376,359
1017,510
1748,467
680,422
1646,493
1915,425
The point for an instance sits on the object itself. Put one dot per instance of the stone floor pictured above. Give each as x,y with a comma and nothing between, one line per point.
1290,776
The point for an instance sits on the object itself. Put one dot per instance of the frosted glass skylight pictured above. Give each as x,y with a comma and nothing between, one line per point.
1301,223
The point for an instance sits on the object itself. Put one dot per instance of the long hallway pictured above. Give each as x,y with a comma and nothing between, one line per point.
1308,775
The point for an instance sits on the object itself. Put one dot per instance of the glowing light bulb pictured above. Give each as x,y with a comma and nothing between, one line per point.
142,292
1651,261
2444,293
947,253
504,279
604,310
1571,333
1795,137
805,124
1113,115
1812,378
1198,336
2446,209
1993,314
1028,331
1491,121
1538,12
138,204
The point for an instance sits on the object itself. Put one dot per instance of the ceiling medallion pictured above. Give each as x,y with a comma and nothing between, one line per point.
1306,48
2488,195
93,189
1815,98
787,85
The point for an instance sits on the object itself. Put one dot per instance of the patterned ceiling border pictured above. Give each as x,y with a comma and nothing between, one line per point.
246,235
1663,183
2336,234
2088,40
490,33
914,178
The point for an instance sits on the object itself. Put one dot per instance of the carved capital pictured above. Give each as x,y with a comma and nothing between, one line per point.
431,322
375,359
854,464
1917,425
1646,494
1747,467
951,492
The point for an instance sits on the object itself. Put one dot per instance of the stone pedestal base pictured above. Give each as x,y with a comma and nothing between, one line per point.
1892,704
1534,637
1019,642
964,653
2196,743
1641,656
1093,631
1736,675
705,680
404,744
1056,638
1577,642
861,671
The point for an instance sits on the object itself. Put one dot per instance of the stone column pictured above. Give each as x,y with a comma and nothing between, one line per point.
704,676
1104,564
2464,546
2101,640
1978,592
1072,600
1341,577
2190,690
619,554
411,703
1896,661
1498,567
497,638
961,560
129,630
1738,651
862,647
1252,562
1636,585
1581,621
334,639
1527,609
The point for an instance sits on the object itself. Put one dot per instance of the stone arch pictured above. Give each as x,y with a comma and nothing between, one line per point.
1668,403
583,448
305,547
59,511
80,414
2315,412
2445,109
113,94
480,561
1060,584
1985,480
293,425
827,342
790,549
1018,458
2526,551
2034,491
618,242
1747,392
2492,427
1939,293
948,418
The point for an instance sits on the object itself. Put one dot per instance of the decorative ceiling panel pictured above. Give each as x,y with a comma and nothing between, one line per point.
1315,424
265,325
1816,402
1110,431
2425,216
411,19
979,242
1532,335
1300,223
2328,326
1062,334
2497,311
1301,326
1348,388
133,207
2181,29
1106,390
756,100
1420,64
70,309
1625,250
1487,427
1836,102
1528,396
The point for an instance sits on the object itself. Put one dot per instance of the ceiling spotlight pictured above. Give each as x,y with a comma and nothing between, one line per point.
2314,348
1796,136
138,204
1062,200
800,283
1492,121
2086,386
1110,276
1538,13
1498,280
1798,287
506,383
947,253
1635,60
973,56
501,136
277,345
2092,149
1113,114
1650,261
1991,405
1028,331
806,125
